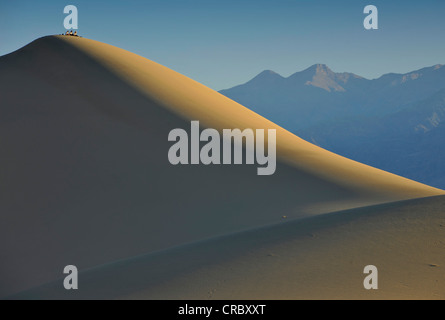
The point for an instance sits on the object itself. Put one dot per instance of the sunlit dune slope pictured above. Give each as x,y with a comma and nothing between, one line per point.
85,178
196,101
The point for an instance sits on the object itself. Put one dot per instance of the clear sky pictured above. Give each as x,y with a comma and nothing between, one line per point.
222,43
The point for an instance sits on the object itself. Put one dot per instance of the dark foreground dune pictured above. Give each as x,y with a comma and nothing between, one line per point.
319,257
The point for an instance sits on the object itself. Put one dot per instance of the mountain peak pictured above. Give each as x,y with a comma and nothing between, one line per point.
321,76
268,74
319,68
265,77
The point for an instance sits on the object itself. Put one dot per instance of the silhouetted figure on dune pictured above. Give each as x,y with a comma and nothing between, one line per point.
71,33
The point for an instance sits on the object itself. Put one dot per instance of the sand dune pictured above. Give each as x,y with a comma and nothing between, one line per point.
319,257
85,175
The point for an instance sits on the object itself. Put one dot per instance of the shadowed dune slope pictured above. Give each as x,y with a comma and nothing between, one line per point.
85,178
320,257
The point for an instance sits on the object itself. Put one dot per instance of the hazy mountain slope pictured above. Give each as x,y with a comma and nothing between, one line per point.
408,142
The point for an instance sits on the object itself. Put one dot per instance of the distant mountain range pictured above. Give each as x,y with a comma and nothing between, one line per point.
395,122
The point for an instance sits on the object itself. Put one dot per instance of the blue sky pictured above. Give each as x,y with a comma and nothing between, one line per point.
224,43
